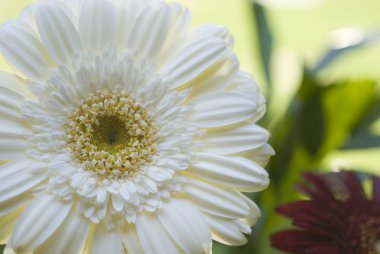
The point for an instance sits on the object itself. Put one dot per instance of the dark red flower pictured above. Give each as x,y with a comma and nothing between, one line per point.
338,218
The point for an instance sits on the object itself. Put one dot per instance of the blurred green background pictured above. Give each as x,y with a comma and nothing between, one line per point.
318,64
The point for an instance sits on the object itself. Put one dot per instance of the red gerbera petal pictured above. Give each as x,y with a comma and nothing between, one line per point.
338,218
295,241
323,249
376,189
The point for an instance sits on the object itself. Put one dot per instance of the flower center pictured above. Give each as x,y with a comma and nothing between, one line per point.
112,135
370,235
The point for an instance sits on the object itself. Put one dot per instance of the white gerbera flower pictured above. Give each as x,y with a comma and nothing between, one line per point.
128,133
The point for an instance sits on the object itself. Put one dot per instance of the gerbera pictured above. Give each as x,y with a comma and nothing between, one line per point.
339,218
126,131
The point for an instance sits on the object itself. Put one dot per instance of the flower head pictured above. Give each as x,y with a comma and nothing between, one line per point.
125,131
338,218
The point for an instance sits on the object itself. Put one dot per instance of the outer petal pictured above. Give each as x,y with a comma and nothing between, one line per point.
97,24
246,85
10,100
216,200
38,222
236,172
24,51
254,211
105,241
233,140
7,223
179,29
126,16
69,237
150,30
194,59
221,109
228,231
12,204
131,240
13,144
193,236
216,78
214,31
153,237
57,32
15,83
260,155
18,177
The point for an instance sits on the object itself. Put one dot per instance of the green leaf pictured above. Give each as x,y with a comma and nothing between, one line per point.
2,247
265,39
312,122
364,135
345,105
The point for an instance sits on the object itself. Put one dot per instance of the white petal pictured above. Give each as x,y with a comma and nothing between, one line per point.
18,177
12,204
178,33
105,241
192,235
126,16
150,30
217,78
57,32
24,51
193,60
69,237
15,83
217,200
260,155
9,98
102,196
72,6
131,241
220,109
214,31
246,85
97,24
230,232
153,238
38,222
10,105
117,202
7,223
8,250
254,211
13,144
124,192
12,149
233,140
236,172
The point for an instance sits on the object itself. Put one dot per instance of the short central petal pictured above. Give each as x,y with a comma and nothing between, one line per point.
112,135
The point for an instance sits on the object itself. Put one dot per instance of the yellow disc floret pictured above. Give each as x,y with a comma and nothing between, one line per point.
111,134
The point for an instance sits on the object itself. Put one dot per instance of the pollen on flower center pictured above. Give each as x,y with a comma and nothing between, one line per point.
111,134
